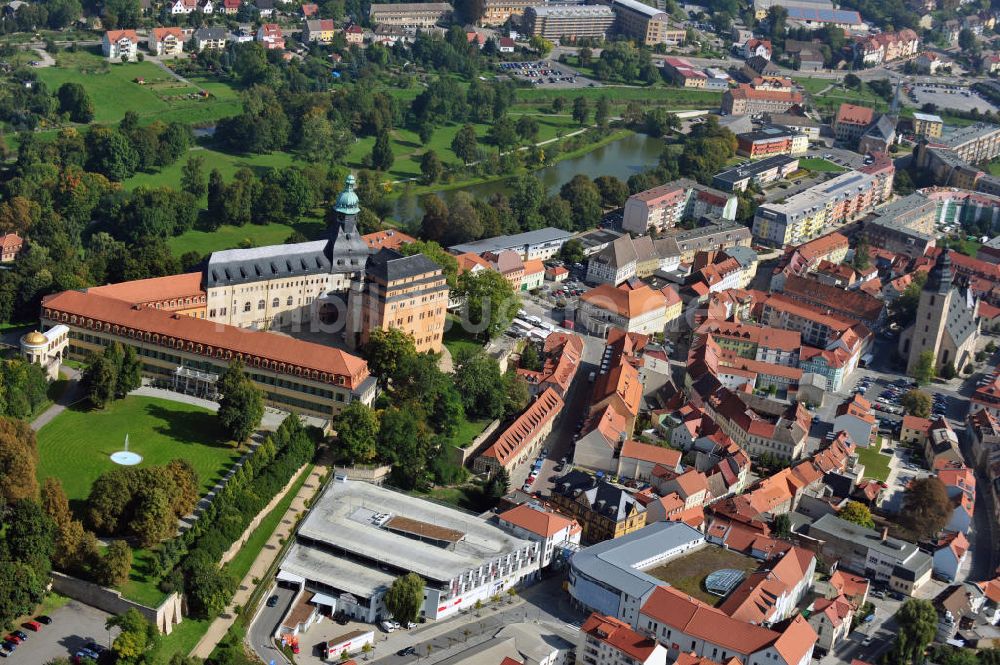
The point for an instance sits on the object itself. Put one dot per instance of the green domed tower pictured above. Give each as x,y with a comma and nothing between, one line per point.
348,249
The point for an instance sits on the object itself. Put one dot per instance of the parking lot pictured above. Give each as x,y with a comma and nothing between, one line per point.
949,97
546,73
73,626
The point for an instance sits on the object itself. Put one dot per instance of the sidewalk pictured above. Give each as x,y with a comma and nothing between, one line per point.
72,394
260,566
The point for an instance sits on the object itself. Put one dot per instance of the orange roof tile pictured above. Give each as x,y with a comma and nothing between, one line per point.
537,520
627,303
390,238
619,635
513,439
649,453
154,289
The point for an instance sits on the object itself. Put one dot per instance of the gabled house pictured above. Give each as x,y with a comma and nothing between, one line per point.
166,41
831,619
210,38
270,36
183,6
354,34
230,7
950,552
320,30
118,44
554,531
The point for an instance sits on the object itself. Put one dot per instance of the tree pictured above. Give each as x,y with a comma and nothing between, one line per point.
498,485
527,128
357,432
242,405
967,41
193,176
581,110
137,636
404,598
209,589
541,45
436,253
917,403
572,251
382,157
613,191
216,199
917,621
926,507
480,384
603,112
386,350
431,167
503,133
490,301
74,546
110,153
781,527
924,371
858,513
75,102
465,145
116,564
584,200
18,460
861,260
153,520
129,376
530,359
852,81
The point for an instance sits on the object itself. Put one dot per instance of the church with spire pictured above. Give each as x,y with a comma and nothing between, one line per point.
335,285
946,323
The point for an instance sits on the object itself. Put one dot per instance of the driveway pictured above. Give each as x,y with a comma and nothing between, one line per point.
264,626
73,625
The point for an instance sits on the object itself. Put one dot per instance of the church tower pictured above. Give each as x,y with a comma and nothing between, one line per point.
928,330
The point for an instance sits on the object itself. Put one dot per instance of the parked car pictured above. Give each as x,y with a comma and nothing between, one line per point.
33,626
406,651
43,619
272,601
387,626
20,633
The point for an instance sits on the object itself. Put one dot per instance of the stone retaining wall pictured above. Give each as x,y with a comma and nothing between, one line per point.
165,617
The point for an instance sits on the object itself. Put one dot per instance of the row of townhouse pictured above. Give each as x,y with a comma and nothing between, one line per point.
874,50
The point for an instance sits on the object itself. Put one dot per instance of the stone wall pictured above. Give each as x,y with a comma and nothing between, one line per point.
366,473
242,540
165,617
464,456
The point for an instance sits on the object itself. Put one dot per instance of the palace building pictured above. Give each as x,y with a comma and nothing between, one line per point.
187,328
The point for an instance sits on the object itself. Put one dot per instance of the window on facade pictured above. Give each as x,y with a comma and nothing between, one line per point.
289,301
246,306
260,304
275,302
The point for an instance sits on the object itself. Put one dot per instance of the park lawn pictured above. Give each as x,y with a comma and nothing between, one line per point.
114,90
228,237
467,431
227,164
620,95
876,464
184,637
813,85
457,340
141,585
820,165
158,429
688,573
240,565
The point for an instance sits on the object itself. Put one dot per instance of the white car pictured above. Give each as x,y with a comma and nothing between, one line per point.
387,626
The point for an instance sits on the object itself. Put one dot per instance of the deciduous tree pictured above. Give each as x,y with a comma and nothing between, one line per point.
18,459
917,403
926,507
75,102
404,598
357,433
858,513
242,405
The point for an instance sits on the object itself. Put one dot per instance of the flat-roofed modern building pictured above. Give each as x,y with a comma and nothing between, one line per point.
876,555
410,14
358,538
573,21
609,577
772,140
648,24
530,245
760,172
496,12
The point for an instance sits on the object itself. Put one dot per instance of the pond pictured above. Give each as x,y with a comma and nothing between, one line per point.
622,158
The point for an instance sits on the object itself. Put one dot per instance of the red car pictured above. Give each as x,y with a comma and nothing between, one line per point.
33,626
14,638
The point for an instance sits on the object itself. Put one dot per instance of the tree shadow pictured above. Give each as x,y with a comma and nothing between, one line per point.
188,427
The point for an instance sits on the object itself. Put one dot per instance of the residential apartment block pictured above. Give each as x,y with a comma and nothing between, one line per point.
771,140
166,41
410,15
759,173
572,21
761,425
645,23
664,207
747,100
118,44
808,214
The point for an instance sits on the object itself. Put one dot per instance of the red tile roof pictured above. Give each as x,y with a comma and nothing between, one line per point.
209,336
154,289
854,115
513,440
629,303
619,636
537,520
390,238
647,452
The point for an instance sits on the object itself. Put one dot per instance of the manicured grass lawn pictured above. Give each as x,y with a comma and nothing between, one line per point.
619,95
963,245
457,340
876,464
75,447
141,586
820,165
689,572
813,86
114,90
467,431
240,564
227,164
228,237
183,638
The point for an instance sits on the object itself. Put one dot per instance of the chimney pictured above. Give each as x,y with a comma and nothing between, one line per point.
885,533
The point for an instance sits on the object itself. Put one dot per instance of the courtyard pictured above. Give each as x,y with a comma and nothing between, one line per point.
688,573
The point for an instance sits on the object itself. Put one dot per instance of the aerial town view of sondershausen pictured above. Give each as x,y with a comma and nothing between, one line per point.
500,332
